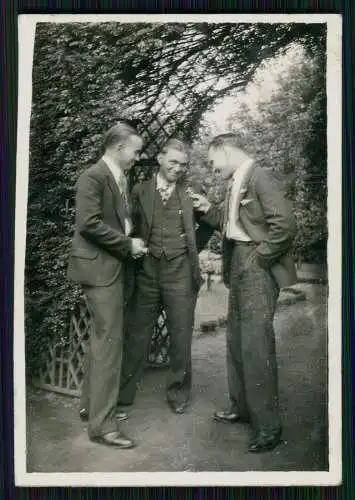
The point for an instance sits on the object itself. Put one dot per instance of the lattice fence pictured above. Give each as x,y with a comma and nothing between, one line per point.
63,370
171,106
159,347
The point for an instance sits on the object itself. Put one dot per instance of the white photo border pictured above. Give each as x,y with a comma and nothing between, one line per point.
26,26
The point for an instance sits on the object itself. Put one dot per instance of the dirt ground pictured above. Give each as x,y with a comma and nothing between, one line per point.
57,440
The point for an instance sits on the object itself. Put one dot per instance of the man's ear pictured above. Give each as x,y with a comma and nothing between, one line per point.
159,158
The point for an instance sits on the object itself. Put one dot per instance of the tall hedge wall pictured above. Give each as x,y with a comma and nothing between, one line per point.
81,74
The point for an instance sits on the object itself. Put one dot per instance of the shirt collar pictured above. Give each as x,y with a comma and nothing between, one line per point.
246,164
116,170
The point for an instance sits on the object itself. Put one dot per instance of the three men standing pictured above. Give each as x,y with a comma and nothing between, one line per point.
258,228
101,248
163,217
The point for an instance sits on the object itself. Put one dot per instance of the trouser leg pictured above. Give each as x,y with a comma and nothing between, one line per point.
252,339
143,315
235,376
106,342
84,397
179,300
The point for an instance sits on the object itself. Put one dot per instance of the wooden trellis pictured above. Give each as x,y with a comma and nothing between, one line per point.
64,368
63,371
172,109
167,76
159,347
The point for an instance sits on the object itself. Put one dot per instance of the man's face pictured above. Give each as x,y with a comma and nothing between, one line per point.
173,164
222,162
129,151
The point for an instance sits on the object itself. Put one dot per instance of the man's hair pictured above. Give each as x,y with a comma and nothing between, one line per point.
228,139
118,133
175,144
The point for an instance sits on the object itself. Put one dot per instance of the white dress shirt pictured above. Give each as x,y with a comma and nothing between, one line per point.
121,182
234,228
164,187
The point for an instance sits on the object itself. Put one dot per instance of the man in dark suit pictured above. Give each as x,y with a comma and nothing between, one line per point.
101,248
163,217
258,228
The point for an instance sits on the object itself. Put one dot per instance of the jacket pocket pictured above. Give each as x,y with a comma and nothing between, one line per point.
83,253
246,201
252,210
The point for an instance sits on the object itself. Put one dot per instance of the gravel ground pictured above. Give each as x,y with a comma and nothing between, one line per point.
57,440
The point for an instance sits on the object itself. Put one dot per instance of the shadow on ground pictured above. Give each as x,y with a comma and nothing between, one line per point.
57,440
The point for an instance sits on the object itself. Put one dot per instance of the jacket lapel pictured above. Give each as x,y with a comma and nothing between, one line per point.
119,203
244,183
147,200
187,212
188,220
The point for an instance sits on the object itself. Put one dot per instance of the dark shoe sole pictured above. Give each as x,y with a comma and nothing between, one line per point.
266,448
226,420
109,444
178,409
84,416
240,420
121,418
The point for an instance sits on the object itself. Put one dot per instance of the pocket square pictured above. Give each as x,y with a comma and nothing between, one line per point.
246,201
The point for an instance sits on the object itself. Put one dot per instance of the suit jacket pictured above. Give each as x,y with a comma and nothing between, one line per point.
100,245
143,202
267,218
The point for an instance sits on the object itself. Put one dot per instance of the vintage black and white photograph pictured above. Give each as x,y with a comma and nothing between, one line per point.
178,250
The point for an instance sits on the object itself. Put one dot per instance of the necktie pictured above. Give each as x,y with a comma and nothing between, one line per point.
122,184
226,206
165,192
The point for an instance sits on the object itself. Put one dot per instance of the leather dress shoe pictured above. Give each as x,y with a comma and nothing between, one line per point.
121,416
115,439
229,416
264,441
178,408
84,415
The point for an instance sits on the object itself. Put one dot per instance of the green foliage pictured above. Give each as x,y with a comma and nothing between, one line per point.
289,136
66,131
86,77
285,131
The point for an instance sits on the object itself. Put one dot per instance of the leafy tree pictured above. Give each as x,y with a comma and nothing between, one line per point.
281,120
287,134
85,77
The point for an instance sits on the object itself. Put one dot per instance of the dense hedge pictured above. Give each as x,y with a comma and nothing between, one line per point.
84,79
71,109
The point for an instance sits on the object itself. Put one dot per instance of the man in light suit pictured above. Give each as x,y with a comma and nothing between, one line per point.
258,228
163,217
102,247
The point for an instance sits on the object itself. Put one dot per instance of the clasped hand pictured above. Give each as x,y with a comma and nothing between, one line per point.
138,248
